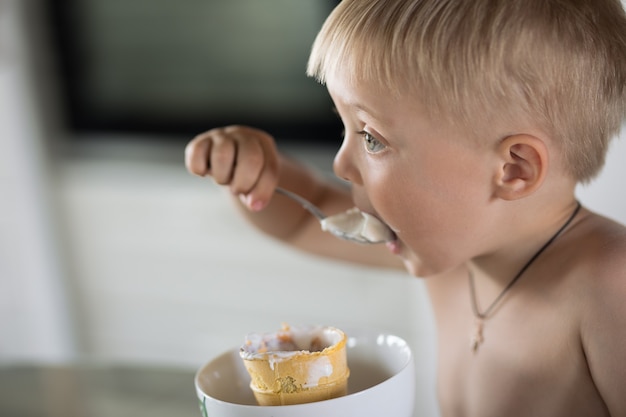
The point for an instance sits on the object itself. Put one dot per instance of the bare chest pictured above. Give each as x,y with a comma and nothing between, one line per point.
526,360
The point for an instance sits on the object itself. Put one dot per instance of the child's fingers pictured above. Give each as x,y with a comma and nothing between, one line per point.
250,163
255,168
197,154
242,158
262,192
223,158
267,178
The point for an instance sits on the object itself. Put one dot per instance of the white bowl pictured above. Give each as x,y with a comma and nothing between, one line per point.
382,383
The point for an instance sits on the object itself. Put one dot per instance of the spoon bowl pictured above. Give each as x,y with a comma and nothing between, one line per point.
352,225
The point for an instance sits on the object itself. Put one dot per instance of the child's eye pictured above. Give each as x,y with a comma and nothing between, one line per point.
372,145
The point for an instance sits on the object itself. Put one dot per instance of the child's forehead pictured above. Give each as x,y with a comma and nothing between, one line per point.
367,94
369,101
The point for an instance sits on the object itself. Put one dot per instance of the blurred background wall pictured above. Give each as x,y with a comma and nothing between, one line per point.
110,251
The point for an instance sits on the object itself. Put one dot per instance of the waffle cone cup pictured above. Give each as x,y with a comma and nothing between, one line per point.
297,377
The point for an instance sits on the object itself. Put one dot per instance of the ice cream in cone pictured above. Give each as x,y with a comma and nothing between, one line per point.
296,364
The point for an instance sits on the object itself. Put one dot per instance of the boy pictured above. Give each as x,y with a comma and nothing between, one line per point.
468,125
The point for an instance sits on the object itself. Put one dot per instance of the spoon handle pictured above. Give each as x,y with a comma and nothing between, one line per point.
303,202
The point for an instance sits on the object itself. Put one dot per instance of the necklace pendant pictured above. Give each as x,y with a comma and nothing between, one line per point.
477,335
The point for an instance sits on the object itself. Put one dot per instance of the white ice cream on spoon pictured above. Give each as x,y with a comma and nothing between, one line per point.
354,224
358,226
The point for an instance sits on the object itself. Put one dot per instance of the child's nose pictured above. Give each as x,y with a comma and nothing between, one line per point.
344,165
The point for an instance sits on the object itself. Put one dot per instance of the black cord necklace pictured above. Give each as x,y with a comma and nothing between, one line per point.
477,336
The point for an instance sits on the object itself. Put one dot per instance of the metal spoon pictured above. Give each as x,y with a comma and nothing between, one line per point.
353,225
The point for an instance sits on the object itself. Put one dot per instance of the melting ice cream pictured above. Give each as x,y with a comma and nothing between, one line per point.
296,364
359,226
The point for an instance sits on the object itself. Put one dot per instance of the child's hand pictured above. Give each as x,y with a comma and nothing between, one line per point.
242,158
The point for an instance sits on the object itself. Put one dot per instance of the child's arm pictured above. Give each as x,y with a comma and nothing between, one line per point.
247,162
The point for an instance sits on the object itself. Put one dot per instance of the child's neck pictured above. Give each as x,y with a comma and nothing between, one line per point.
499,267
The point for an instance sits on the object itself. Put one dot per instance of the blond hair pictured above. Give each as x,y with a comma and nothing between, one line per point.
560,64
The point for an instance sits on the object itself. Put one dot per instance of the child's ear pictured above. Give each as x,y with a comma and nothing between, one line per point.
522,166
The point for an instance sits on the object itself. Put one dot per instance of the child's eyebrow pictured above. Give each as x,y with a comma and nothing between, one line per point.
359,108
362,108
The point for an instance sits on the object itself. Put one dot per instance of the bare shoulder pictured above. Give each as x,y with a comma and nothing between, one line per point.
602,249
601,265
599,260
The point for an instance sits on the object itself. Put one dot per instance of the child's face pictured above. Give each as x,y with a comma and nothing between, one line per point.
428,182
